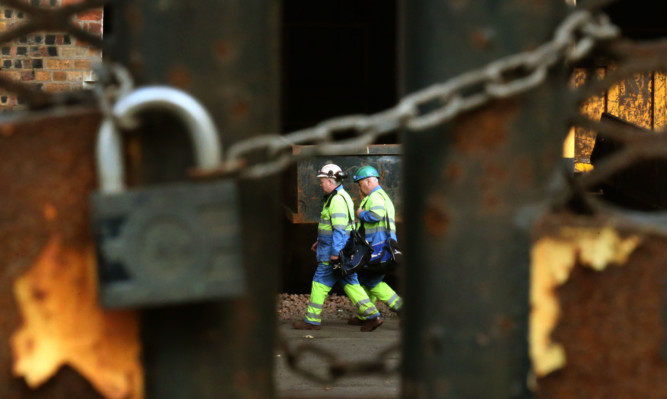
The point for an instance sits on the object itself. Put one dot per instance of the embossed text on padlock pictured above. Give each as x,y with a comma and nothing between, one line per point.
168,243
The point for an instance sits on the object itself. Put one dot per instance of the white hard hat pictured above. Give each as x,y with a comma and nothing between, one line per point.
332,171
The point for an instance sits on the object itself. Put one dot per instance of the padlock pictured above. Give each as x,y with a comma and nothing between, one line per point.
172,243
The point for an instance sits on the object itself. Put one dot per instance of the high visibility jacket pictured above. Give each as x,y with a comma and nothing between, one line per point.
335,224
375,207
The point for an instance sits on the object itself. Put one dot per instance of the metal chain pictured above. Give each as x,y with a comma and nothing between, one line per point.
337,368
574,38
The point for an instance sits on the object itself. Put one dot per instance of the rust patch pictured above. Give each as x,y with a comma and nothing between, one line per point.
453,172
38,294
481,39
50,212
240,108
7,130
179,77
612,328
526,175
485,130
65,326
241,380
491,203
495,171
223,50
553,259
47,286
436,221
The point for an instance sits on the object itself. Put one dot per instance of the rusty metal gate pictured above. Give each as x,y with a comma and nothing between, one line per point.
520,280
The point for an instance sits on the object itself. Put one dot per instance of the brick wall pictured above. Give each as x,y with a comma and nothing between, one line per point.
50,61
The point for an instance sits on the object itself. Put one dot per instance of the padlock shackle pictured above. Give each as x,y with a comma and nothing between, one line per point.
200,126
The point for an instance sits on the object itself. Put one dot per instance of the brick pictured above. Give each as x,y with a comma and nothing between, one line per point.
90,15
14,75
59,76
50,39
58,64
75,76
6,50
42,76
21,50
27,75
94,52
94,28
6,63
37,63
3,26
56,87
70,2
73,52
82,64
52,51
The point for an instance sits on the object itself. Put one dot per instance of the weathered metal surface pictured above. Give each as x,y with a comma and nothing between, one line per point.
632,100
465,323
303,197
639,100
609,320
224,53
593,107
660,98
47,284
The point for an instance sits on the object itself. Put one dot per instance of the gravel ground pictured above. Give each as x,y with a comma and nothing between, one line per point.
293,307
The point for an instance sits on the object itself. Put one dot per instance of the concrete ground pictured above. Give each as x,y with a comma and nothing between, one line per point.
338,343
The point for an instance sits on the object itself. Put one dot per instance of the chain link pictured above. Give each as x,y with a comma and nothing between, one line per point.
384,363
574,38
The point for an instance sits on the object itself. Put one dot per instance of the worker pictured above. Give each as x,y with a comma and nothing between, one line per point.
377,216
336,221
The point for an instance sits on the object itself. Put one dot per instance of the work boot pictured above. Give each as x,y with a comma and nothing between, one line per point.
302,325
371,324
355,321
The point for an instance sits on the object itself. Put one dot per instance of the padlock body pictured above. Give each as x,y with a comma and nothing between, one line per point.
168,244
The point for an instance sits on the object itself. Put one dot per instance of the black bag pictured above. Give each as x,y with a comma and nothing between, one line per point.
354,255
384,258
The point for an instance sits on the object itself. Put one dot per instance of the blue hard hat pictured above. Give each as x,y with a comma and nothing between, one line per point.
364,172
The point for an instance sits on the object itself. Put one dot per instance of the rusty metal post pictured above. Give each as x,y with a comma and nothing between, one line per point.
468,254
225,53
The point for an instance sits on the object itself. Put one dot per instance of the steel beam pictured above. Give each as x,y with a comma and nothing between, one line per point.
225,53
468,252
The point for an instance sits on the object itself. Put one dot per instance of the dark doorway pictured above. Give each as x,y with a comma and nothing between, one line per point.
338,58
